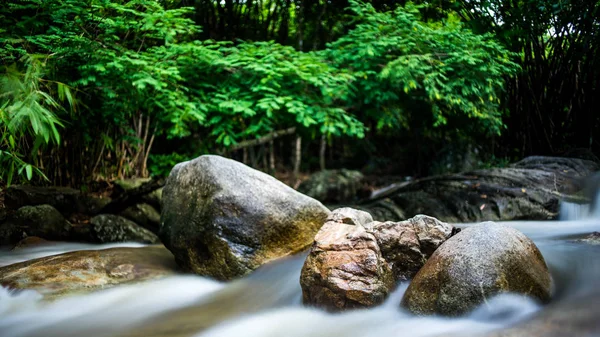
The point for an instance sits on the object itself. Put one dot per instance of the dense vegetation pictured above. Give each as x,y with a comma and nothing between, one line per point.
98,89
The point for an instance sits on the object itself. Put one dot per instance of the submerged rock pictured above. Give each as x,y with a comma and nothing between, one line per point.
574,317
592,239
223,219
113,228
479,262
528,190
344,268
88,270
406,245
335,186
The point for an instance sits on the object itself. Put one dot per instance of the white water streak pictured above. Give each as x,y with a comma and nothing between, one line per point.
110,312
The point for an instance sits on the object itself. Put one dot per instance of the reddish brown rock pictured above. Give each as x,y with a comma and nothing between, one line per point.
406,245
355,262
344,268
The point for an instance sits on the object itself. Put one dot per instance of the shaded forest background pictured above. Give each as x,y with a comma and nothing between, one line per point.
102,89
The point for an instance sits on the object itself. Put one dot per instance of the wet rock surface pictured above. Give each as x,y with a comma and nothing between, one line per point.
355,262
84,271
406,245
113,228
592,239
223,219
42,220
65,200
154,198
527,190
344,268
125,185
479,262
335,186
144,215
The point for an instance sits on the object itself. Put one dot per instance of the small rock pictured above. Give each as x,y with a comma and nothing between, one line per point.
154,198
43,221
406,245
31,241
479,262
113,228
130,184
592,239
344,268
143,215
93,205
335,186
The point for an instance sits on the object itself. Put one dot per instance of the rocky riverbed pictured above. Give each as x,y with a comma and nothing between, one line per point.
289,261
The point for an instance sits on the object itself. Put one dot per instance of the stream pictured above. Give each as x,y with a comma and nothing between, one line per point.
267,303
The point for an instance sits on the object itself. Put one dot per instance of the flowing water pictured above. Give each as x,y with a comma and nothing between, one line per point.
268,302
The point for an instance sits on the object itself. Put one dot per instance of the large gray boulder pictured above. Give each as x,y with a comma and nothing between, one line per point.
344,268
479,262
223,219
527,190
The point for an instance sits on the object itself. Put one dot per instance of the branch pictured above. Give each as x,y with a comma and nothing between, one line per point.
263,140
131,197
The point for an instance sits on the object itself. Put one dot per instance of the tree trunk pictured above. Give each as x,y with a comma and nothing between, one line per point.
272,157
297,159
322,152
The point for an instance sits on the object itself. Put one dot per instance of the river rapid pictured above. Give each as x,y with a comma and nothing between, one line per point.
268,302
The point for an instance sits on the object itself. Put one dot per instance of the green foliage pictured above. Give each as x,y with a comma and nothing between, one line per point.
141,73
28,119
252,89
553,101
406,67
161,164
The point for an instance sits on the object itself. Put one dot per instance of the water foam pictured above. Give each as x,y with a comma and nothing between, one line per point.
267,303
103,313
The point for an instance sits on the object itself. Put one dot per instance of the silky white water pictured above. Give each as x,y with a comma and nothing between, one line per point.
268,302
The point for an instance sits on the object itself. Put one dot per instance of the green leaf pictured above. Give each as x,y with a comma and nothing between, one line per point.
29,172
